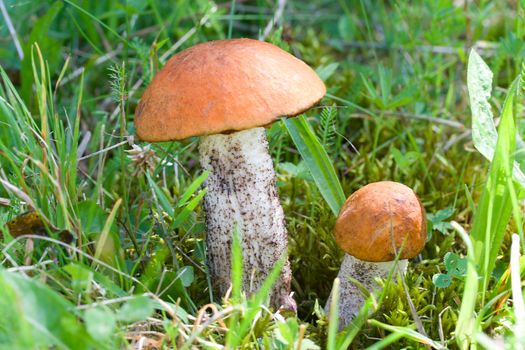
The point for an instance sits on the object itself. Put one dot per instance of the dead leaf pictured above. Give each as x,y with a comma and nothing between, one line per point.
31,223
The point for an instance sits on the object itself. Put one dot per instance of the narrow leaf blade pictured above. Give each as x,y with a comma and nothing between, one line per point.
317,161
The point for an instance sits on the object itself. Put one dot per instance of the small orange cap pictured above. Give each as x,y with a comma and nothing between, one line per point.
377,218
225,85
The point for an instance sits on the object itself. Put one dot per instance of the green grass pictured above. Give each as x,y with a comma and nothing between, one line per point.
399,75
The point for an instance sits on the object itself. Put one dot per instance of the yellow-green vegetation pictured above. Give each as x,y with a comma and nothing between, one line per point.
102,236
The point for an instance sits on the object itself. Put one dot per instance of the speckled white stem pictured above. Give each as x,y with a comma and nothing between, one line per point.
351,298
242,191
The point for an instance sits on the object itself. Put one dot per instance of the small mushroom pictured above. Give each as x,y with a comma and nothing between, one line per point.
376,223
227,91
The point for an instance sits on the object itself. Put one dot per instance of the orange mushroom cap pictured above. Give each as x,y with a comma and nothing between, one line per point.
225,85
379,217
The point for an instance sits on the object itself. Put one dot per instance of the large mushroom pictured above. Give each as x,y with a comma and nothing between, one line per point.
377,222
227,91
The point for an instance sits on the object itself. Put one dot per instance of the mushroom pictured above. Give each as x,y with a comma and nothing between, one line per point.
377,222
226,92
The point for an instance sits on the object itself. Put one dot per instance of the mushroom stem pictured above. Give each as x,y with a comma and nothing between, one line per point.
351,297
242,192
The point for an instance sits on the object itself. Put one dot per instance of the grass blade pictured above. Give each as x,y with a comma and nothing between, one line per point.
104,235
333,317
466,322
386,341
192,188
492,214
238,332
255,302
237,268
317,161
188,209
495,206
347,336
517,293
408,333
236,277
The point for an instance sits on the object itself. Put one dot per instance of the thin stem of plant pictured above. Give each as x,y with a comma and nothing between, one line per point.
12,30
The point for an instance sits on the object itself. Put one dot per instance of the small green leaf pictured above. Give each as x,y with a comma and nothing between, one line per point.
441,280
438,220
100,322
36,317
307,344
347,28
81,277
455,265
404,160
327,71
284,334
186,275
136,309
299,171
450,260
92,217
